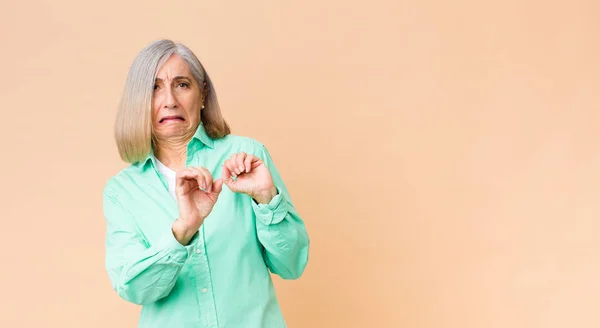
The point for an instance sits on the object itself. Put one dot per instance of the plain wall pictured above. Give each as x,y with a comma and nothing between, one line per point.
444,155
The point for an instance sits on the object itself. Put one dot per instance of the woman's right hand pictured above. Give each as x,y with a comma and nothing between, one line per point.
196,195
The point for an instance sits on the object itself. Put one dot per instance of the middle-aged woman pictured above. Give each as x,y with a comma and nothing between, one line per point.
200,217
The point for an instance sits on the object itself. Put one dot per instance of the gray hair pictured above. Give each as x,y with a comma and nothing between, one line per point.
133,126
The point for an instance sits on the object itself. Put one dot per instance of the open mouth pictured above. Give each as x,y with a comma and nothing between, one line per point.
171,118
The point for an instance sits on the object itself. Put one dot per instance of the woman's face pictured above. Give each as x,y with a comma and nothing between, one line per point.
176,101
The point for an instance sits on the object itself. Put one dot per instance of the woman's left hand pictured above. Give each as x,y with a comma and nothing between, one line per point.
252,177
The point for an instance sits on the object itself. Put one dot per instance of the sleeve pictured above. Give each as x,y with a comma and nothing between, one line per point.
280,229
140,273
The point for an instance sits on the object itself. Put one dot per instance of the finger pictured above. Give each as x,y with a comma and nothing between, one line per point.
240,162
200,178
227,178
207,176
230,168
182,176
217,186
233,166
185,182
226,172
248,162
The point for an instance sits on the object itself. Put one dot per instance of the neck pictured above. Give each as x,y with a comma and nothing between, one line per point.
172,151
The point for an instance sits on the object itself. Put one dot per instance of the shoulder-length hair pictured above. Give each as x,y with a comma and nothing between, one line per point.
133,126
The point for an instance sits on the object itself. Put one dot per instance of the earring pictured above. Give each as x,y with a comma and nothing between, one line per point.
202,106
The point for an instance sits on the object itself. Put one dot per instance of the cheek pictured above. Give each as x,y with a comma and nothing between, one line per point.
155,100
155,104
190,104
186,101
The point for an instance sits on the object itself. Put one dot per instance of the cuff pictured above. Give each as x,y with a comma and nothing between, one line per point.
271,213
173,248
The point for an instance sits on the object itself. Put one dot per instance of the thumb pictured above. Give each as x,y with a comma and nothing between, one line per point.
217,185
231,184
227,179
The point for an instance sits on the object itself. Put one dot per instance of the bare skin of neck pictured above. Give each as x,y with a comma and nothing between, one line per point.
172,151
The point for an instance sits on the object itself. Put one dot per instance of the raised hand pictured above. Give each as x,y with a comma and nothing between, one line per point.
248,174
196,194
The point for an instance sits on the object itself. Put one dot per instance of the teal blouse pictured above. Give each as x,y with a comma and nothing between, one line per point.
222,278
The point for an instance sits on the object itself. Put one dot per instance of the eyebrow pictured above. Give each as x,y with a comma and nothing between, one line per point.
174,79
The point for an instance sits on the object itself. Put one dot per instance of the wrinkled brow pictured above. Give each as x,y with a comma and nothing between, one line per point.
177,78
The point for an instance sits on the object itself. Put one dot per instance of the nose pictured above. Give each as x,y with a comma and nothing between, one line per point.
170,101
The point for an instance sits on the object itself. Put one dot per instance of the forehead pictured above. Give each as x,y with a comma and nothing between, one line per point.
174,66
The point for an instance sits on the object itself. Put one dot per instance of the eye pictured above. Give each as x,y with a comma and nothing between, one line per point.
155,87
183,85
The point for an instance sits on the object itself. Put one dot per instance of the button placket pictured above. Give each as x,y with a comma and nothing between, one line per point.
204,285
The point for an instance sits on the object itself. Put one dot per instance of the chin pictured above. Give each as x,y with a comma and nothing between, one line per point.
173,131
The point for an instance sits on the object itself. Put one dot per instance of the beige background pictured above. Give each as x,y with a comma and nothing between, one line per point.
453,145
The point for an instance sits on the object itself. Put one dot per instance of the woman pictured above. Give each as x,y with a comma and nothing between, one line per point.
200,216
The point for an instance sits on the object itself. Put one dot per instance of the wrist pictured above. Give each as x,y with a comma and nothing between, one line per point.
265,197
182,233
